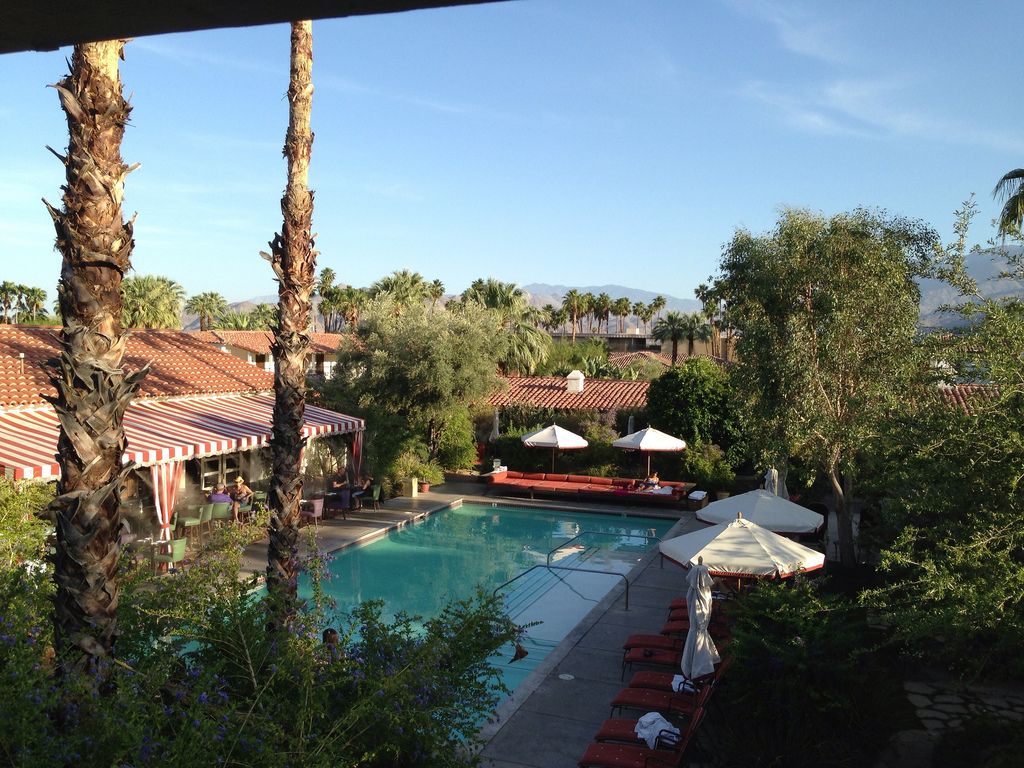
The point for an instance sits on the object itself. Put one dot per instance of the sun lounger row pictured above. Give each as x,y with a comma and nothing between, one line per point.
673,707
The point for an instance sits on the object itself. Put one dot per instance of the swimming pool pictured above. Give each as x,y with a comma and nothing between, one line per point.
419,568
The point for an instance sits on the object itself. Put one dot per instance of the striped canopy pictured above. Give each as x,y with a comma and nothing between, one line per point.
161,430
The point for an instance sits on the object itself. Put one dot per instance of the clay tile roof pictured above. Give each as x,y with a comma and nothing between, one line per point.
181,365
258,342
549,392
966,396
626,359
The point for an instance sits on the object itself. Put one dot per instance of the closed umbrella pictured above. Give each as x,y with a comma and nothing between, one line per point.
650,440
555,438
742,549
699,652
766,509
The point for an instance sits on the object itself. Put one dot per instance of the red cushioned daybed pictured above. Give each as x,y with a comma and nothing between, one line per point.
583,487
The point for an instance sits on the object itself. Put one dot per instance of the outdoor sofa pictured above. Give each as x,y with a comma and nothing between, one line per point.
584,487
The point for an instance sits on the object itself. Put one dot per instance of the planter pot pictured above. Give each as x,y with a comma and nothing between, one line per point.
424,487
719,495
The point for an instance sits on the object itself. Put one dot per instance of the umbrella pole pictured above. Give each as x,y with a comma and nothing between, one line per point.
553,460
648,464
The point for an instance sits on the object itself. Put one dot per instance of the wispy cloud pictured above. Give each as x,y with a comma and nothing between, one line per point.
874,109
799,28
440,106
190,57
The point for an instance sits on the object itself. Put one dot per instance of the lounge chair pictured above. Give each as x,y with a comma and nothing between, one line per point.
660,657
666,702
604,755
623,729
662,681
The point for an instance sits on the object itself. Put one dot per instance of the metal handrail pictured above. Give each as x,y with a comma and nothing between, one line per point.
564,568
600,533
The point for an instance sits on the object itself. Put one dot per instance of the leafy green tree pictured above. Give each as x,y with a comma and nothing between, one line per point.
419,369
827,311
564,356
1010,191
209,306
693,401
948,497
152,301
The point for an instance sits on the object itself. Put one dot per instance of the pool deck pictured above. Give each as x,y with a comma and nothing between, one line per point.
548,721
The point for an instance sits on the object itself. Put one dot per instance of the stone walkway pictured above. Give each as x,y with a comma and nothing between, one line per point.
940,707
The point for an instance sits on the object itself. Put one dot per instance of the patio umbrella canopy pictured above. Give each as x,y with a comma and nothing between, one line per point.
765,509
742,549
650,440
699,652
555,438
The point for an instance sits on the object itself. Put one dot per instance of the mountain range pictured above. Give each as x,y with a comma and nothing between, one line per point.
984,266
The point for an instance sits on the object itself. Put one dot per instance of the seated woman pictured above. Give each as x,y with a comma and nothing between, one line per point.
361,487
651,483
241,494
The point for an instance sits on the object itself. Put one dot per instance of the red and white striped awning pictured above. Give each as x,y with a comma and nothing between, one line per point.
161,430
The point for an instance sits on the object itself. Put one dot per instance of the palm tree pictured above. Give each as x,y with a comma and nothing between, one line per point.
587,302
658,304
435,292
8,298
672,327
325,289
20,306
209,306
528,345
638,311
403,286
572,303
1010,191
93,389
33,301
350,301
152,301
234,320
602,310
294,262
621,308
646,314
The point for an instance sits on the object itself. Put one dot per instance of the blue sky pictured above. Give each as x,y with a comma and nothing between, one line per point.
574,142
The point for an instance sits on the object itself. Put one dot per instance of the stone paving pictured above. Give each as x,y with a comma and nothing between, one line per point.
942,706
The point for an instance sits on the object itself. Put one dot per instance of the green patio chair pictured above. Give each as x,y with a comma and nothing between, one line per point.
221,511
205,518
174,554
190,520
375,490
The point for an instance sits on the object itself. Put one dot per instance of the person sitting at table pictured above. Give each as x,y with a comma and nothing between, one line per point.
219,495
362,486
651,483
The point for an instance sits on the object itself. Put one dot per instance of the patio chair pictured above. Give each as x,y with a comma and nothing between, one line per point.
666,702
221,512
191,520
312,510
662,681
174,555
375,491
205,518
670,751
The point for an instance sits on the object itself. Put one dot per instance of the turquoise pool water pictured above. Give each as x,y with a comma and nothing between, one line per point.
418,568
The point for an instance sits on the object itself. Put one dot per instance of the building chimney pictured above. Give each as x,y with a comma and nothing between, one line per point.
574,381
21,362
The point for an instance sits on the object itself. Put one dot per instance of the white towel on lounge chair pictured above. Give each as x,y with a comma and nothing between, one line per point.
664,490
650,725
681,685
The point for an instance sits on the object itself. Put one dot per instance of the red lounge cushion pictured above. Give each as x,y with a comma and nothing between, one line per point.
618,482
514,475
556,478
569,487
578,479
601,481
533,475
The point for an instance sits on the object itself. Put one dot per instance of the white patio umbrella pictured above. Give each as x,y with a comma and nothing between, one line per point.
650,440
699,652
555,438
742,549
765,509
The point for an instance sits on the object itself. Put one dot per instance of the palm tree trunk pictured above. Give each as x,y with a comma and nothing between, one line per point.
294,263
93,389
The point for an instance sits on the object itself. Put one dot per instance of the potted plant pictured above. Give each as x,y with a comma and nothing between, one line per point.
429,474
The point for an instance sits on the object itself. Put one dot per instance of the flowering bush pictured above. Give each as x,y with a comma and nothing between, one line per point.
202,678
